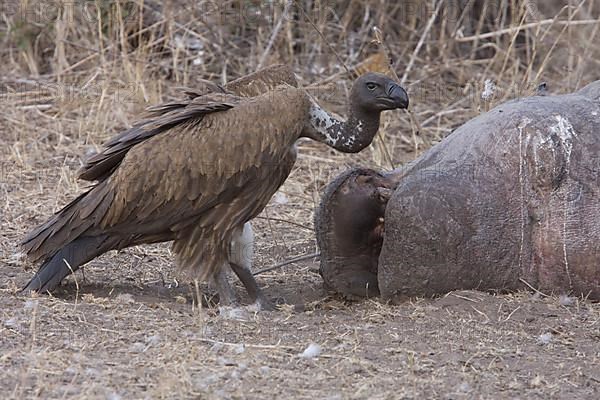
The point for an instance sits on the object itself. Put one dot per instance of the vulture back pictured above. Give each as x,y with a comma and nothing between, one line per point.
160,118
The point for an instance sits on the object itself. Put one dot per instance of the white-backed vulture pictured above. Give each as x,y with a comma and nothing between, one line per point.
195,171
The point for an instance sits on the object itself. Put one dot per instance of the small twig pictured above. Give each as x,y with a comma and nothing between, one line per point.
532,288
286,221
416,129
507,31
411,62
483,314
511,314
198,297
32,325
463,297
449,110
274,34
287,262
335,53
76,282
41,107
249,345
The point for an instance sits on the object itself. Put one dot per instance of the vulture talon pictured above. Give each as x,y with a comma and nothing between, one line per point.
257,297
195,171
262,304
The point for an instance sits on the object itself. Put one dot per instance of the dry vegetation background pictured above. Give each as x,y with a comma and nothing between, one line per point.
72,74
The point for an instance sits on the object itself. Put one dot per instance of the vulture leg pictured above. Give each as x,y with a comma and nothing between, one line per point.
241,254
227,297
229,306
257,297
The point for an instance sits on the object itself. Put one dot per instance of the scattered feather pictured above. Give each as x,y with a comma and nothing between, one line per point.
30,304
125,298
239,349
565,300
138,347
280,198
536,382
153,340
489,88
464,387
17,257
545,338
217,347
313,350
233,313
264,370
11,323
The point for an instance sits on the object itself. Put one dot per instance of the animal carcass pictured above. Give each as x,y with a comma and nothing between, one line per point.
508,200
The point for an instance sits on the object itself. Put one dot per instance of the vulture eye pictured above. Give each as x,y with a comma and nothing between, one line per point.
371,85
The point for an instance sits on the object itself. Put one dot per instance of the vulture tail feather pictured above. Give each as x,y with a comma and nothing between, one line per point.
70,238
75,220
67,260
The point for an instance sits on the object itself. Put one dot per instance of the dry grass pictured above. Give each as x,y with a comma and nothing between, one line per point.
74,75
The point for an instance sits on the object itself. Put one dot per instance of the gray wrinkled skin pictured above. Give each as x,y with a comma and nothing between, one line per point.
511,196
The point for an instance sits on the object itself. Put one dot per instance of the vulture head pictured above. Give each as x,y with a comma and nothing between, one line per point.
371,94
374,92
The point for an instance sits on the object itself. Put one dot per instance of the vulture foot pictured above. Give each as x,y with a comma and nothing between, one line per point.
261,304
258,298
228,301
244,313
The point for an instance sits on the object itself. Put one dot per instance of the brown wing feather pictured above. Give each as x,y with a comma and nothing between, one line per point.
159,119
88,209
69,223
164,116
262,81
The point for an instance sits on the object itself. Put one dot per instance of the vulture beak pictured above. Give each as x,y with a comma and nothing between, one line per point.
397,95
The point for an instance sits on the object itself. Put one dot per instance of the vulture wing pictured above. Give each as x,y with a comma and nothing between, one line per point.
158,119
162,117
85,204
192,175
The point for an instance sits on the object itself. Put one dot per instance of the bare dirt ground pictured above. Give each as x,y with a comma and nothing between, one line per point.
124,340
130,329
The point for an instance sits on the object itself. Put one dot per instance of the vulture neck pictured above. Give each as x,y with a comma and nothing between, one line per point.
350,136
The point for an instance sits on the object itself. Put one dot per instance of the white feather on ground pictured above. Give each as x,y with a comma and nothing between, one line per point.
313,350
